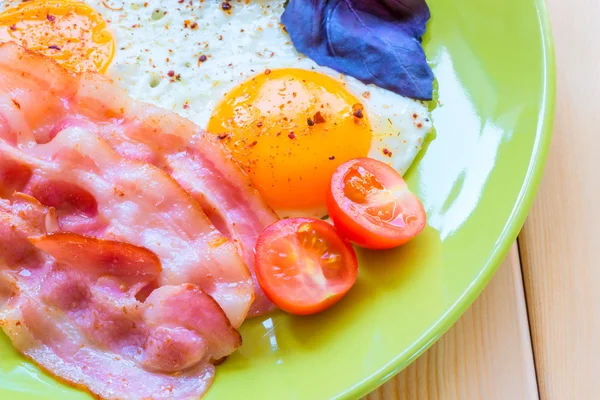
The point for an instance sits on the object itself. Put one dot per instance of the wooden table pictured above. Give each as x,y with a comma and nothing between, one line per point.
535,331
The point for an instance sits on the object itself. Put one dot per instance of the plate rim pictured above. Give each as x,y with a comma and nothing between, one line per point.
509,234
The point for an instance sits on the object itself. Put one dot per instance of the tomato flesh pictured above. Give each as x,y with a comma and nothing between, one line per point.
303,265
371,205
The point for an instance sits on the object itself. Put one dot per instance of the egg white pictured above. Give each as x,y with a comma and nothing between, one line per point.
237,45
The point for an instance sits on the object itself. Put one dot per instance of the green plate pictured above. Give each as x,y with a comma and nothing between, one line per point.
477,178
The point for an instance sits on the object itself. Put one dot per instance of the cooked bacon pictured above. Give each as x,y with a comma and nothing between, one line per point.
164,309
102,257
83,322
53,341
114,214
137,203
137,131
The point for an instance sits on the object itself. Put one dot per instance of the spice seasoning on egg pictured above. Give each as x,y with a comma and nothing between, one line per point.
318,118
357,110
226,6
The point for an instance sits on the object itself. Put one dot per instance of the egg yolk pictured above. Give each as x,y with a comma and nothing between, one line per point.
290,129
72,33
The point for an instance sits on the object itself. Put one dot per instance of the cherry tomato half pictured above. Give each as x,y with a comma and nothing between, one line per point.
303,265
371,205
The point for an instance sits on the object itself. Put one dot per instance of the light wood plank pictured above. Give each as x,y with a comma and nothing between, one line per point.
561,240
486,355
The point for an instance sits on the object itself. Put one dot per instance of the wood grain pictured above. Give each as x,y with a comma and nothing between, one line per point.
486,355
561,240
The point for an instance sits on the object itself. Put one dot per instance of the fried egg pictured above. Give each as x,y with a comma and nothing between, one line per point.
71,32
231,68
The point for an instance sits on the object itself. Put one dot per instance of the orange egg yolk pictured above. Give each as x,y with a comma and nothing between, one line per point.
72,33
290,129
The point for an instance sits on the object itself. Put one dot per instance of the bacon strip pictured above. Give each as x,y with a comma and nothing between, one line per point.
137,131
139,204
119,214
52,311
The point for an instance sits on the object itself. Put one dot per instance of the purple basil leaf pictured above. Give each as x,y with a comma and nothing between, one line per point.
375,41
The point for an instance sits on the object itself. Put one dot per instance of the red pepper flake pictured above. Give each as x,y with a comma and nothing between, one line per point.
186,106
357,110
226,5
260,124
194,26
202,58
179,1
310,122
292,135
13,27
387,152
146,3
318,118
220,37
171,73
252,144
54,47
419,125
50,17
16,103
332,158
267,71
414,115
223,136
